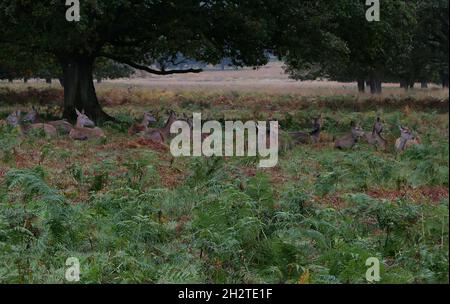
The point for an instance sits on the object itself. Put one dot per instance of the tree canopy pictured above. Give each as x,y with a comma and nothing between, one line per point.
136,33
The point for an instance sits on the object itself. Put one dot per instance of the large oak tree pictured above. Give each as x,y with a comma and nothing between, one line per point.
142,34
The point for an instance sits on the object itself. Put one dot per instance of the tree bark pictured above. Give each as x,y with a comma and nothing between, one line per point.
424,84
444,79
375,84
361,85
403,84
25,80
48,80
61,80
99,80
79,90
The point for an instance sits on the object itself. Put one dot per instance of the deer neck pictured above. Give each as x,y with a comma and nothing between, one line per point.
403,142
79,124
145,122
166,129
316,131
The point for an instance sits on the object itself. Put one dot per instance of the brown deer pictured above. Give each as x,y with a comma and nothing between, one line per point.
406,140
375,138
63,126
309,137
85,128
15,120
351,139
191,126
142,126
161,135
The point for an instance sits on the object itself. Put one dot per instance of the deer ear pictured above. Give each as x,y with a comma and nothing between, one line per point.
78,112
82,112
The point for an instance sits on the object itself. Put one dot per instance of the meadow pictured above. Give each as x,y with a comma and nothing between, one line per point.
133,214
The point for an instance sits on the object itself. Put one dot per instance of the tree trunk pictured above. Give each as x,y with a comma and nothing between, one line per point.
99,80
375,84
79,90
25,80
379,86
10,80
424,84
48,80
61,80
361,85
444,79
403,84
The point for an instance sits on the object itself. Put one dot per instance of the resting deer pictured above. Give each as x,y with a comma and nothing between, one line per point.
351,139
15,120
375,138
142,126
310,137
63,126
82,130
406,140
191,126
161,135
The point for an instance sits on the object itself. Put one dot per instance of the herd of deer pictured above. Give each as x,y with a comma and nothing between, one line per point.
85,129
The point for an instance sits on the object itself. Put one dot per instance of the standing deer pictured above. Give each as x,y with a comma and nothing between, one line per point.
310,137
351,139
142,126
85,128
406,140
161,135
63,126
15,120
375,138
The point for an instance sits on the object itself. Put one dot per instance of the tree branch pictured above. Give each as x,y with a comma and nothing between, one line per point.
148,69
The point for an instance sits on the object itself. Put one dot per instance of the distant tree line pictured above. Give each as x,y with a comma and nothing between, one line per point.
409,44
48,70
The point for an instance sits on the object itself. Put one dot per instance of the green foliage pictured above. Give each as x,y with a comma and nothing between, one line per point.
223,220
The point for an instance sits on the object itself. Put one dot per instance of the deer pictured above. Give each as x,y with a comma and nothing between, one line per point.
63,126
161,135
15,120
375,138
85,128
191,126
351,139
142,126
406,140
309,137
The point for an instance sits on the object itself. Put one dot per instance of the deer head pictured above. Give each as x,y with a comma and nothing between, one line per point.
148,119
32,116
406,133
14,118
357,131
83,120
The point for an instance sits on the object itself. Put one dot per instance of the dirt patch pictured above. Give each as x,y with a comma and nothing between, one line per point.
171,178
432,194
145,143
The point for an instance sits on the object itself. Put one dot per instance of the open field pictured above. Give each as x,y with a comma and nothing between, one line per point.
132,213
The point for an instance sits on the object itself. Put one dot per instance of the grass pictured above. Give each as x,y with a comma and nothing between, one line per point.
132,214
